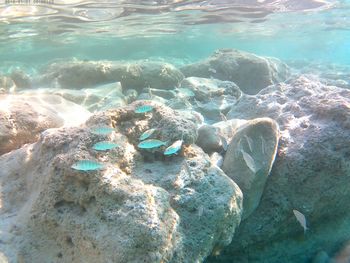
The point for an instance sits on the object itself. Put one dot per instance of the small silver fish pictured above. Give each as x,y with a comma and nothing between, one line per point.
144,109
146,134
301,219
223,142
102,130
174,148
250,142
104,146
249,161
150,144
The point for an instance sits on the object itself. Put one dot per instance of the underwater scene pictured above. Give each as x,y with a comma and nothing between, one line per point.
175,131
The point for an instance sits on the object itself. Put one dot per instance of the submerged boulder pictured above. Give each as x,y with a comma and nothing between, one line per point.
209,139
24,117
206,88
76,74
216,137
156,75
228,128
310,174
133,210
250,72
249,159
132,75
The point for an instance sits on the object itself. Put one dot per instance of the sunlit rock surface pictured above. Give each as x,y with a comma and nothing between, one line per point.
100,98
141,208
24,117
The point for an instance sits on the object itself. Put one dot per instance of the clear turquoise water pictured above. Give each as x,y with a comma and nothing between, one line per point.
176,31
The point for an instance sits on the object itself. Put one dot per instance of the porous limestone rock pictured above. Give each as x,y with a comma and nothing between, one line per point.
170,125
134,210
250,72
24,117
310,174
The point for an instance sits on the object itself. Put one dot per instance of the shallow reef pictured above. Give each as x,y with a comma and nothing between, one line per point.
141,161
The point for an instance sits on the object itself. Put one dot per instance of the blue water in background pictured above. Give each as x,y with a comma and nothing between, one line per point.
320,34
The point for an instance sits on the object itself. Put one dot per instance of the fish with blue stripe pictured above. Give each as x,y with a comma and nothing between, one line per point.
151,143
87,165
174,148
144,109
147,134
104,146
